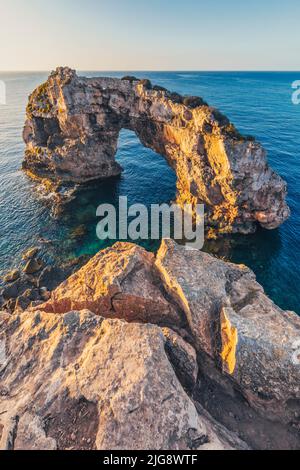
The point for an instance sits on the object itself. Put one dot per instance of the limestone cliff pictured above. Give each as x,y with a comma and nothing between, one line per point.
77,381
176,351
72,130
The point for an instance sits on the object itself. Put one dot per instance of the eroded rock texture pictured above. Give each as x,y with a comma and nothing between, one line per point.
233,322
77,381
119,282
72,130
225,338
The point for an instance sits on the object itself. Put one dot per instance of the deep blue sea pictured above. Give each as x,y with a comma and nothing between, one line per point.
258,103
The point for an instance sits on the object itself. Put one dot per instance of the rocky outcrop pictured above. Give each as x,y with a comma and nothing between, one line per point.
119,282
232,320
246,346
77,381
176,351
71,136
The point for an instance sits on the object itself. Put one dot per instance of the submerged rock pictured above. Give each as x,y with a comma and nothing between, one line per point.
11,276
31,253
79,232
72,129
33,266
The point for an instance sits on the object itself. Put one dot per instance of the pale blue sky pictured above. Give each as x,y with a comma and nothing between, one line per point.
150,34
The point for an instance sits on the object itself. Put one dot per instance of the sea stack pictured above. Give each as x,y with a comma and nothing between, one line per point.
71,135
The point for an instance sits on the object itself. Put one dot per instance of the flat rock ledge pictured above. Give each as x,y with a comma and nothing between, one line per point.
71,135
177,350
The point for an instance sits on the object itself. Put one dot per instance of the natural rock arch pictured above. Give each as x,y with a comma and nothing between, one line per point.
71,135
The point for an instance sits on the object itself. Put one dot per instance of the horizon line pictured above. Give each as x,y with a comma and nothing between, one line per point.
157,71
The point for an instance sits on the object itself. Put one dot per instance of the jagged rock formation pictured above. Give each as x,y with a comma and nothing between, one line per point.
79,381
238,326
72,130
118,283
219,348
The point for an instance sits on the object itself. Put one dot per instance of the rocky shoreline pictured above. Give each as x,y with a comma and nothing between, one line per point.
177,350
31,282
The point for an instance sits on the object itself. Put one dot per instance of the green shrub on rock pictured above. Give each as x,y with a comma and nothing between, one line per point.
194,102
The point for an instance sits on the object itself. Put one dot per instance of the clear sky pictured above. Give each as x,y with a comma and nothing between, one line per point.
150,34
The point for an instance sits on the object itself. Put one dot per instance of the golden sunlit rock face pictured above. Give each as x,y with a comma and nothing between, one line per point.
117,283
229,337
72,130
233,322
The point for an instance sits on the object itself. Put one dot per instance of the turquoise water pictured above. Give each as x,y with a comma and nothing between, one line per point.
258,103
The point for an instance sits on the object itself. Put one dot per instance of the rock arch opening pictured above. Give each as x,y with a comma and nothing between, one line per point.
146,178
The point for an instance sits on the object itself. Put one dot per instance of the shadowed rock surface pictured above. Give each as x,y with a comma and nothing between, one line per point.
71,136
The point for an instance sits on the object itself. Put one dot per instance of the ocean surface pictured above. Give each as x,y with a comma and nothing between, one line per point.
258,103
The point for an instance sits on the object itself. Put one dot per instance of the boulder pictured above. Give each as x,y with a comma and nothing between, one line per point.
20,292
51,277
30,253
12,290
22,303
9,306
33,266
119,282
232,320
11,276
44,293
28,296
